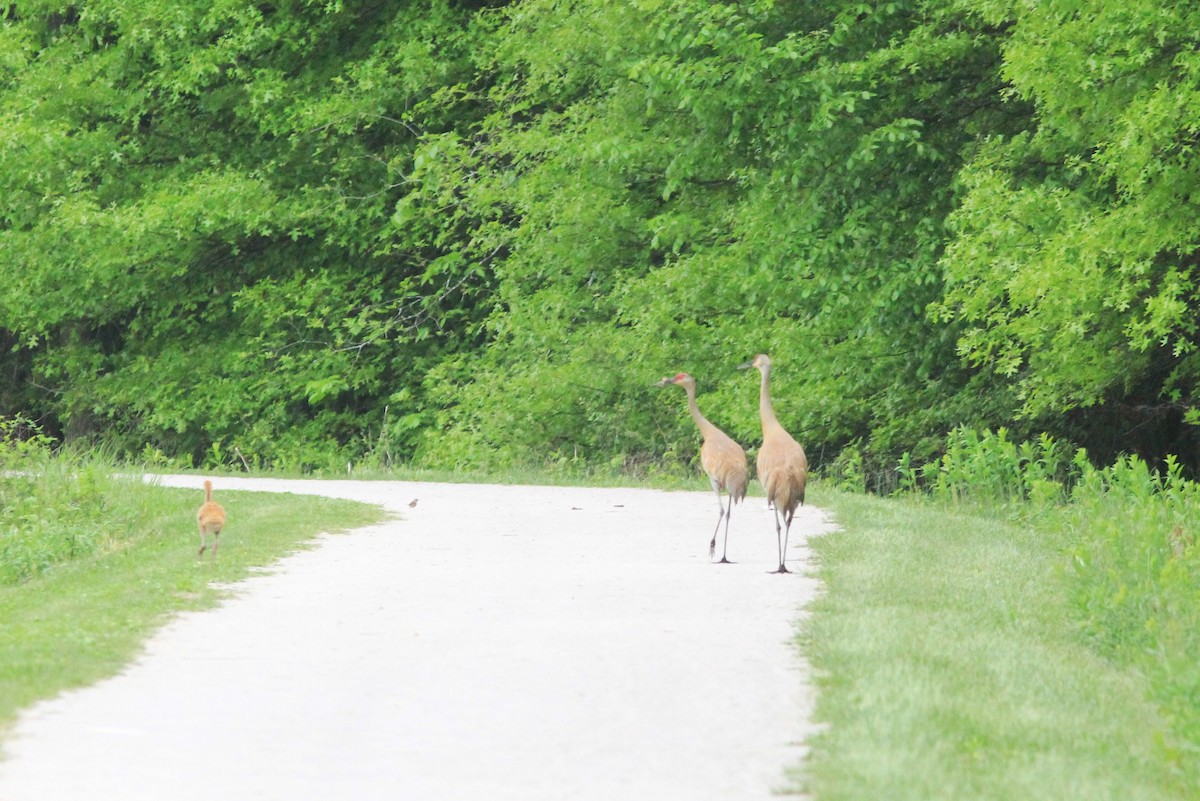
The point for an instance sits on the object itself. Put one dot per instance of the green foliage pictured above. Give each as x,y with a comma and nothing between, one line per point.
471,234
196,210
55,507
1073,260
679,185
989,470
1137,584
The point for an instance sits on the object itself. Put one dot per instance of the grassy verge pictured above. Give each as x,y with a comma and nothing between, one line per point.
950,665
80,619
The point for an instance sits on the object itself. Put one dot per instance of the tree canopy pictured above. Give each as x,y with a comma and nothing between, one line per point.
467,234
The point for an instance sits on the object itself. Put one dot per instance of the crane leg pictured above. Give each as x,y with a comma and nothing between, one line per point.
781,539
725,543
787,530
725,512
712,546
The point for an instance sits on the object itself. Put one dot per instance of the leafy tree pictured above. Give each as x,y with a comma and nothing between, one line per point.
196,212
1074,256
472,233
679,185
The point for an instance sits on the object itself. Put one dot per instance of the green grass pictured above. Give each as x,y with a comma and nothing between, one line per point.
76,622
949,666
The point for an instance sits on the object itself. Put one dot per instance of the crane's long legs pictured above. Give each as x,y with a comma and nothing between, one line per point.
204,545
725,543
786,532
726,511
781,540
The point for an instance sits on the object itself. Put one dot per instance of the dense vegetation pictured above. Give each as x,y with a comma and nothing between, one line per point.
1021,577
472,234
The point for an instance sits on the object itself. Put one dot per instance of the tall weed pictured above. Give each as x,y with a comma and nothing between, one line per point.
988,469
1137,583
56,506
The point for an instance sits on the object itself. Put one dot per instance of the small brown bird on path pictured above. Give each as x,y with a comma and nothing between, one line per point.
413,503
782,465
211,518
722,459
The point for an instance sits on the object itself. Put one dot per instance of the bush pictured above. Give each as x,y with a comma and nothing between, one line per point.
988,469
1137,582
55,506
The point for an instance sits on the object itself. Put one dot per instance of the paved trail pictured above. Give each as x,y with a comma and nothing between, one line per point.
493,643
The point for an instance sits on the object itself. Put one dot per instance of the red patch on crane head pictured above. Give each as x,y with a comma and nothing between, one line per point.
679,377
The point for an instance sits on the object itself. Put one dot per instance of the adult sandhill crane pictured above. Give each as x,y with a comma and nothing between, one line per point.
211,518
722,459
782,465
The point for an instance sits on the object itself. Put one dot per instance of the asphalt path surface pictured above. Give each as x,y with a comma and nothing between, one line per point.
492,642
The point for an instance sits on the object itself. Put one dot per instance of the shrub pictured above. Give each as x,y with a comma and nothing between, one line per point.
988,469
55,506
1137,582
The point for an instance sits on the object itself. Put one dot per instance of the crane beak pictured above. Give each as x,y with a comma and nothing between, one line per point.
746,366
665,382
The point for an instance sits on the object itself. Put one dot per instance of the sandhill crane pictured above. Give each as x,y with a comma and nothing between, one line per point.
722,459
782,465
211,518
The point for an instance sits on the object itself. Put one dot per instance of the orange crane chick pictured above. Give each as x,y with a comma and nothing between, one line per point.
723,461
782,465
211,518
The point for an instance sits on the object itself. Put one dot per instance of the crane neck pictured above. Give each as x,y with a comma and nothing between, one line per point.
701,422
765,410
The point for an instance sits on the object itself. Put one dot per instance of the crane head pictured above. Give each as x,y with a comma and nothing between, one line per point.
678,378
761,362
